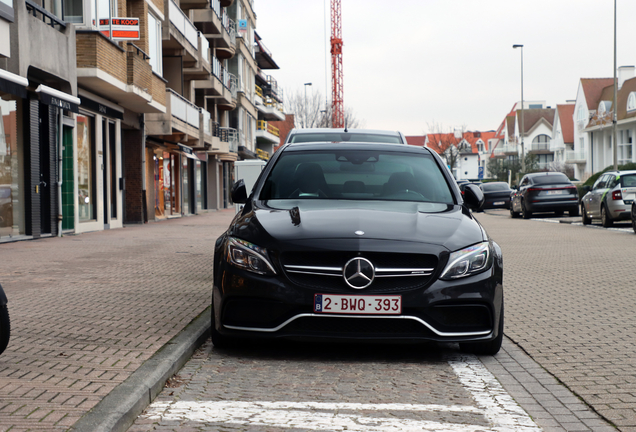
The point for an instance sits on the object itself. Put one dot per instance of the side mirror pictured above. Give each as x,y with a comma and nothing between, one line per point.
586,189
473,197
239,194
515,187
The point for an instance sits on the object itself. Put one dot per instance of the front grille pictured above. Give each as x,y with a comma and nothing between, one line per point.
357,326
394,271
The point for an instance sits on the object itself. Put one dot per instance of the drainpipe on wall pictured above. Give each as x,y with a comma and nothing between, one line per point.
60,175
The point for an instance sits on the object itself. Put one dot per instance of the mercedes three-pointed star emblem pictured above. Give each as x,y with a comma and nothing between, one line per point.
358,273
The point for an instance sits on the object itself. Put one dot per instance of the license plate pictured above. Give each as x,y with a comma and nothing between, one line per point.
556,192
499,203
357,304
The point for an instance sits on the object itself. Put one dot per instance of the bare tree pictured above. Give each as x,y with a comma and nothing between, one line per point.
313,112
445,140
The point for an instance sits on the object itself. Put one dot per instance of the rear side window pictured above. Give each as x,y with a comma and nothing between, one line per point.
494,187
357,175
552,178
628,180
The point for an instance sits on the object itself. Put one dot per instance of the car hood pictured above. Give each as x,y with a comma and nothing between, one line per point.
300,220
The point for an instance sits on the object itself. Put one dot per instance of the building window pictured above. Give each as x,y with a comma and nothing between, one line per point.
631,102
74,11
86,201
101,10
154,44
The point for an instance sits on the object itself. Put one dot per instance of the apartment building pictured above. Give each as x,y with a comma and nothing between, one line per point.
148,103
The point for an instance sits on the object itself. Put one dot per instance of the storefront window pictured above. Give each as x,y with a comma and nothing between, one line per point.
199,183
186,185
85,168
9,178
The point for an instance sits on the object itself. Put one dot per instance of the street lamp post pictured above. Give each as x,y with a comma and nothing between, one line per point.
614,106
523,155
305,109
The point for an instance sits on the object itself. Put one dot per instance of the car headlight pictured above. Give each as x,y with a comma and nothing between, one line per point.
248,256
468,261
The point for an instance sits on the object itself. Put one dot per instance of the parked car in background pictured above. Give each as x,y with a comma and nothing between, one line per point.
345,135
358,241
496,195
610,198
544,192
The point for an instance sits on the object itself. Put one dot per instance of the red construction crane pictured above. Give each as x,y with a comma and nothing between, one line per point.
337,80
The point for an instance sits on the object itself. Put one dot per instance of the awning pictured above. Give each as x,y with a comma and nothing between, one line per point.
188,152
50,96
13,84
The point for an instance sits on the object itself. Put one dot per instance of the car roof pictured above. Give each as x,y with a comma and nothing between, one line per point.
621,172
545,173
327,130
328,145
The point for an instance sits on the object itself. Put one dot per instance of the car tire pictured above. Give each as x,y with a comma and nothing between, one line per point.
634,218
5,328
486,348
584,217
218,340
513,214
574,212
524,211
606,221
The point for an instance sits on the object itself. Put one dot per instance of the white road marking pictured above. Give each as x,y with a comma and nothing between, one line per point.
499,407
500,410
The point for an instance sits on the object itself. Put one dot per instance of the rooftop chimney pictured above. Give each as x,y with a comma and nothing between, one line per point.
625,73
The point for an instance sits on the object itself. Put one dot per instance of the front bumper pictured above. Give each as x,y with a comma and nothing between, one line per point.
249,305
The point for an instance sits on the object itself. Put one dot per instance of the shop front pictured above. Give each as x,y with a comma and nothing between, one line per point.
100,185
166,164
35,128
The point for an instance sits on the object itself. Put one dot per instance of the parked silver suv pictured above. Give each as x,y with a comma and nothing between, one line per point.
610,198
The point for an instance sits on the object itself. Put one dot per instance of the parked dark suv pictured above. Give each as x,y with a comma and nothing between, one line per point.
365,241
544,192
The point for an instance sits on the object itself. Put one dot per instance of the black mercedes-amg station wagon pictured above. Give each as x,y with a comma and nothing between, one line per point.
358,241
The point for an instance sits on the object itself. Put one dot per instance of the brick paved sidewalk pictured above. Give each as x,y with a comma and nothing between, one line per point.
88,310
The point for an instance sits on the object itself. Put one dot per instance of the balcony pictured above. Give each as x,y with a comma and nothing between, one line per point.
183,36
180,123
268,108
267,133
505,150
122,75
269,87
202,68
575,156
41,41
540,148
217,28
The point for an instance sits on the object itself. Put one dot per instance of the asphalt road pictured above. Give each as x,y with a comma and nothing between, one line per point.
569,354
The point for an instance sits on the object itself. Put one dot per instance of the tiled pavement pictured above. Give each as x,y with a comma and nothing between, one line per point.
570,304
88,310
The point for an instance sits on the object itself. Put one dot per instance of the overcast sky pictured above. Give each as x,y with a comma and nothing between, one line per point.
411,63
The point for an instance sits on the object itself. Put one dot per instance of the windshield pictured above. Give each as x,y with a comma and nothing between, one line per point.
342,136
493,187
357,175
552,178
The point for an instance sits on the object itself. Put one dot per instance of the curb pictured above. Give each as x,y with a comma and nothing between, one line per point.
119,409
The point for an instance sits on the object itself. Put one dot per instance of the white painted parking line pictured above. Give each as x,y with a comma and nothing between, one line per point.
493,403
499,407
